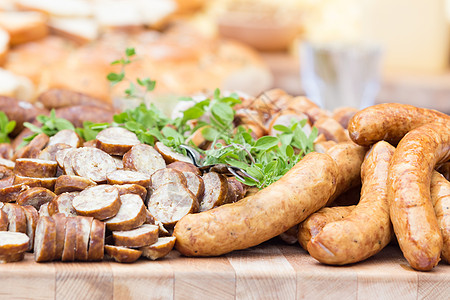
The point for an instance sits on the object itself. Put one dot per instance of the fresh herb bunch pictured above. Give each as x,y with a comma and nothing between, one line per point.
133,90
6,127
90,130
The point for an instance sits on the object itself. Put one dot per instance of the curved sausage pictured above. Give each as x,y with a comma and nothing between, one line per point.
390,122
367,229
440,196
270,212
411,209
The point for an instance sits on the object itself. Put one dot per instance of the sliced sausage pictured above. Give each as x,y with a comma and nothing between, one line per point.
128,177
4,222
170,155
143,158
92,163
13,242
343,115
32,216
195,184
170,202
70,239
72,183
63,204
16,217
33,148
139,237
310,227
61,155
164,176
60,226
332,130
96,241
66,136
48,183
116,140
123,254
132,189
236,190
82,240
12,257
131,214
45,239
411,209
440,196
390,122
184,167
216,190
7,163
159,249
10,193
118,161
367,229
101,202
301,191
35,196
6,151
49,152
32,167
43,210
6,177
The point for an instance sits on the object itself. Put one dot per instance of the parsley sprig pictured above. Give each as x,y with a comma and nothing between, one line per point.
6,127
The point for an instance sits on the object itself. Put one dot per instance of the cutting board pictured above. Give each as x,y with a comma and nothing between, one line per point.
270,271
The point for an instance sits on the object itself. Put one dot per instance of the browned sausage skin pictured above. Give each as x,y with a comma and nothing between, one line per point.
390,122
367,229
440,196
253,220
411,209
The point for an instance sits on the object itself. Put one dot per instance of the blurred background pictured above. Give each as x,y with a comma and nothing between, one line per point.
337,52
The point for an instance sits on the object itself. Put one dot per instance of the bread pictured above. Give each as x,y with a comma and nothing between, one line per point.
79,30
66,8
24,26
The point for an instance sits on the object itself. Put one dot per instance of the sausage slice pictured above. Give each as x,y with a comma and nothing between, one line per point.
7,163
48,183
66,136
33,167
128,177
93,163
131,214
70,239
6,177
82,241
195,184
132,189
35,197
139,237
10,193
13,242
63,204
101,202
60,225
49,152
116,140
184,167
45,240
216,190
16,217
143,158
72,183
170,155
12,257
159,249
96,240
164,176
123,254
4,222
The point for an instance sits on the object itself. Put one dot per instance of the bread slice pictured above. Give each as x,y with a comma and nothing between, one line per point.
14,86
120,14
79,30
24,26
66,8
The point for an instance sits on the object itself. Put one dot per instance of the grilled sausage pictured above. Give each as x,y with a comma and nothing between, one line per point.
159,249
139,237
35,197
143,158
92,163
132,214
101,202
440,196
123,254
116,140
13,242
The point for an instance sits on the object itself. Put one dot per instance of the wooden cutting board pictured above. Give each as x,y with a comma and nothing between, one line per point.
269,271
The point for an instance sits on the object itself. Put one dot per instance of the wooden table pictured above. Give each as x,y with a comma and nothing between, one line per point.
270,271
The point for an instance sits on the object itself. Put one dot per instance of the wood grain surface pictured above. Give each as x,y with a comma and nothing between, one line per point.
270,271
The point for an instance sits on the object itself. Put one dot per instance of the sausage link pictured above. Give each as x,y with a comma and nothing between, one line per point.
270,212
390,122
440,196
411,209
367,229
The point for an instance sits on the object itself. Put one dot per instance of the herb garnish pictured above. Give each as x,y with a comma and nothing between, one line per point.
6,127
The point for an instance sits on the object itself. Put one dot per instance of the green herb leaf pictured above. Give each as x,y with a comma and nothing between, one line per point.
266,142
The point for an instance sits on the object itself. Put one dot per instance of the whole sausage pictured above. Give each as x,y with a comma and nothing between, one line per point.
270,212
440,196
57,98
411,209
390,122
367,229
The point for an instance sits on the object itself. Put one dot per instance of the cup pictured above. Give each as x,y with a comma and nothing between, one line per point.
340,74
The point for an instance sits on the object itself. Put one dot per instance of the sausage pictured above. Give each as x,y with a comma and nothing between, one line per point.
323,147
57,98
315,113
48,183
35,196
66,136
60,226
32,217
195,184
16,217
61,155
132,189
123,254
170,155
349,158
440,196
13,242
343,115
411,209
82,240
63,204
6,151
45,240
12,257
10,193
33,148
6,177
310,227
7,163
164,176
4,222
49,152
390,122
170,202
301,191
128,177
116,140
332,130
139,237
72,183
159,249
92,163
78,114
184,167
101,202
70,239
216,190
132,214
143,158
96,241
31,167
367,229
236,190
